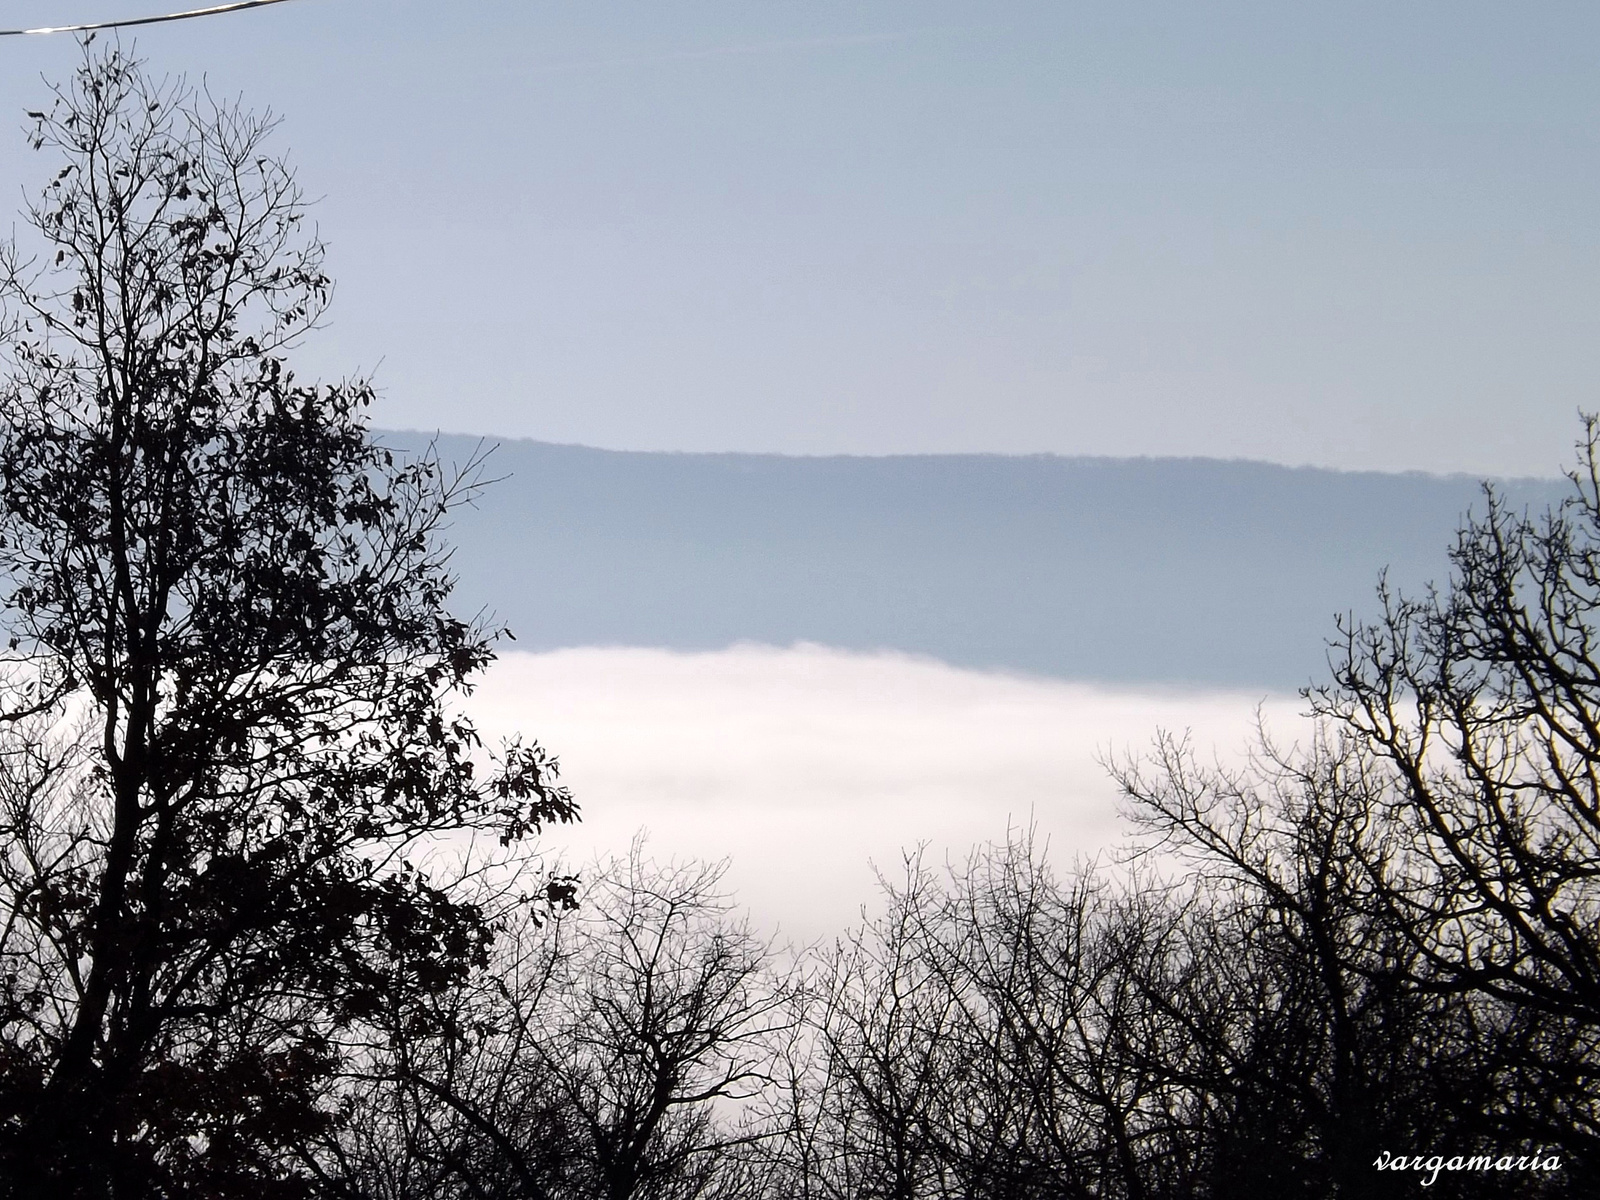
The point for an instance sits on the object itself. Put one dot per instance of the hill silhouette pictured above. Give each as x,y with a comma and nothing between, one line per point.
1127,571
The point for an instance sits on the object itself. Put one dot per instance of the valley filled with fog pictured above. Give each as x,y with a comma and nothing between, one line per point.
811,666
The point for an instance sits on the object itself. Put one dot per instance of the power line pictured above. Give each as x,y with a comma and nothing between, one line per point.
177,16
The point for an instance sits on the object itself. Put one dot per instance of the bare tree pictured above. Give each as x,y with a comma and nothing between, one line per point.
970,1041
1256,1027
1483,702
1321,1044
607,1052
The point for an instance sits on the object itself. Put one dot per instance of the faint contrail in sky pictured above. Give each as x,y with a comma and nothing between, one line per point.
215,10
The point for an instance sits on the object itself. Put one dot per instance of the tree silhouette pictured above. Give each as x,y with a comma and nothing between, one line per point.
232,732
599,1055
1482,703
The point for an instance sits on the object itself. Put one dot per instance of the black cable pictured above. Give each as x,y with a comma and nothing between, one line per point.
177,16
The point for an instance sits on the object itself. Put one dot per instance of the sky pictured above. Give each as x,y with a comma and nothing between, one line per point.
1360,235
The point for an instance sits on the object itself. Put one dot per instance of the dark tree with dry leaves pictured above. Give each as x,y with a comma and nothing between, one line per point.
230,737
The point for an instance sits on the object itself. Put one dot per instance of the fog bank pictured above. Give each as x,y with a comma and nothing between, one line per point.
807,765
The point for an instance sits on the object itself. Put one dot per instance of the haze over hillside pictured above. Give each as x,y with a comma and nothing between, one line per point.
1128,571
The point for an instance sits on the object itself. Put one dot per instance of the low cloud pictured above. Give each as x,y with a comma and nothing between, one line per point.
806,766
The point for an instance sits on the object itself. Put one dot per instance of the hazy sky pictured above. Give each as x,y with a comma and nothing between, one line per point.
1352,234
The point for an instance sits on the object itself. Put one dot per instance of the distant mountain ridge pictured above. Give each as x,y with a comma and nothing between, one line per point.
1130,571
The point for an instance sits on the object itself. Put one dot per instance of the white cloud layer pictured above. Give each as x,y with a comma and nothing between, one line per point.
808,765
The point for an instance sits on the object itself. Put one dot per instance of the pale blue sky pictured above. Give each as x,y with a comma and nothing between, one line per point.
1350,234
